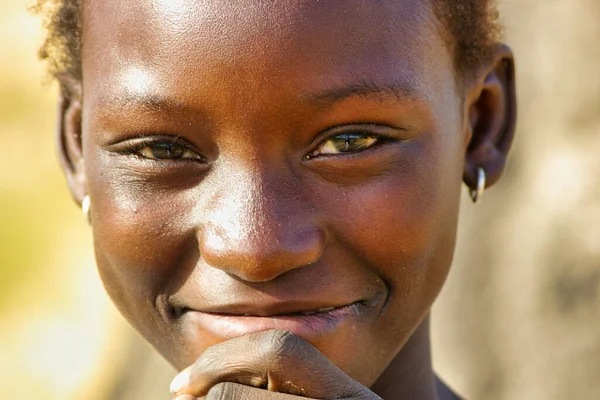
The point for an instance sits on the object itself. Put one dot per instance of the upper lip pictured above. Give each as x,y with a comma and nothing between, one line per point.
269,309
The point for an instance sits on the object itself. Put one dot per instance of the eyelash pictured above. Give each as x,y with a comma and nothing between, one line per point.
143,142
136,149
379,139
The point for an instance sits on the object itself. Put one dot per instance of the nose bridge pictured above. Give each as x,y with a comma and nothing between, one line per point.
260,227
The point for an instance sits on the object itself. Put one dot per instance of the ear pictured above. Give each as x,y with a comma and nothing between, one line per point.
69,142
491,112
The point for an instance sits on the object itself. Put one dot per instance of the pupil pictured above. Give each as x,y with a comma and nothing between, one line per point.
349,142
168,150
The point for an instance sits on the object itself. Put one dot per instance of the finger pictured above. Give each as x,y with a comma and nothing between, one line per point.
274,360
237,391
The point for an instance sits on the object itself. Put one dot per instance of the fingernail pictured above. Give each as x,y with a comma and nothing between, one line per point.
180,381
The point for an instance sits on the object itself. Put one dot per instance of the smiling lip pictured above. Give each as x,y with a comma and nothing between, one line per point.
305,325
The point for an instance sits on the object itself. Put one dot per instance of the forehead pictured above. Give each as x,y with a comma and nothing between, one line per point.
268,47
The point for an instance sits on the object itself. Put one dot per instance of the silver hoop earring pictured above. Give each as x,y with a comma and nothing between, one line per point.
477,193
85,208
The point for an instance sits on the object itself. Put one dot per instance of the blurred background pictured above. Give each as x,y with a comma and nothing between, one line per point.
518,319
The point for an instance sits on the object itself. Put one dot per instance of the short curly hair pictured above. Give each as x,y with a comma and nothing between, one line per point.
472,26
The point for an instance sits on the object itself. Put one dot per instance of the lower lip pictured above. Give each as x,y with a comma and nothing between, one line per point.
305,326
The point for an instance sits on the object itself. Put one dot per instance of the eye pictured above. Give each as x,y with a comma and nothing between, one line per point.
345,143
165,151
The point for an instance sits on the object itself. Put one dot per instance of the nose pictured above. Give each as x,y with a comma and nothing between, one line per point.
259,228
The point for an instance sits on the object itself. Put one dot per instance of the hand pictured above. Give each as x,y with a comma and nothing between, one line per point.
270,365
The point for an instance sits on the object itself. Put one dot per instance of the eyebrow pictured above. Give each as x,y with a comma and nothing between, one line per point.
369,89
149,101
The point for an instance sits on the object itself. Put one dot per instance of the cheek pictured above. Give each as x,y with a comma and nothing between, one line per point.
404,225
142,237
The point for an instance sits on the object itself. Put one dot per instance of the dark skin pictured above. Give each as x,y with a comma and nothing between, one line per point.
277,158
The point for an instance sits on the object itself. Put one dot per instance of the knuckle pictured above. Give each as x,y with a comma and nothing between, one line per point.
218,392
226,390
277,344
362,393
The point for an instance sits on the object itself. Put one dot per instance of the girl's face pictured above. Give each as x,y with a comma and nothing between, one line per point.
250,163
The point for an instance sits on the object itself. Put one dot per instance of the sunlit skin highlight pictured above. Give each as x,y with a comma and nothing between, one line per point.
272,159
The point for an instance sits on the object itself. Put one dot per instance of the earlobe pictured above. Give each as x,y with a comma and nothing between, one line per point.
491,112
69,144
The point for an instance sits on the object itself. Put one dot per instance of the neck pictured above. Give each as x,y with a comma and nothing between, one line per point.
410,374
